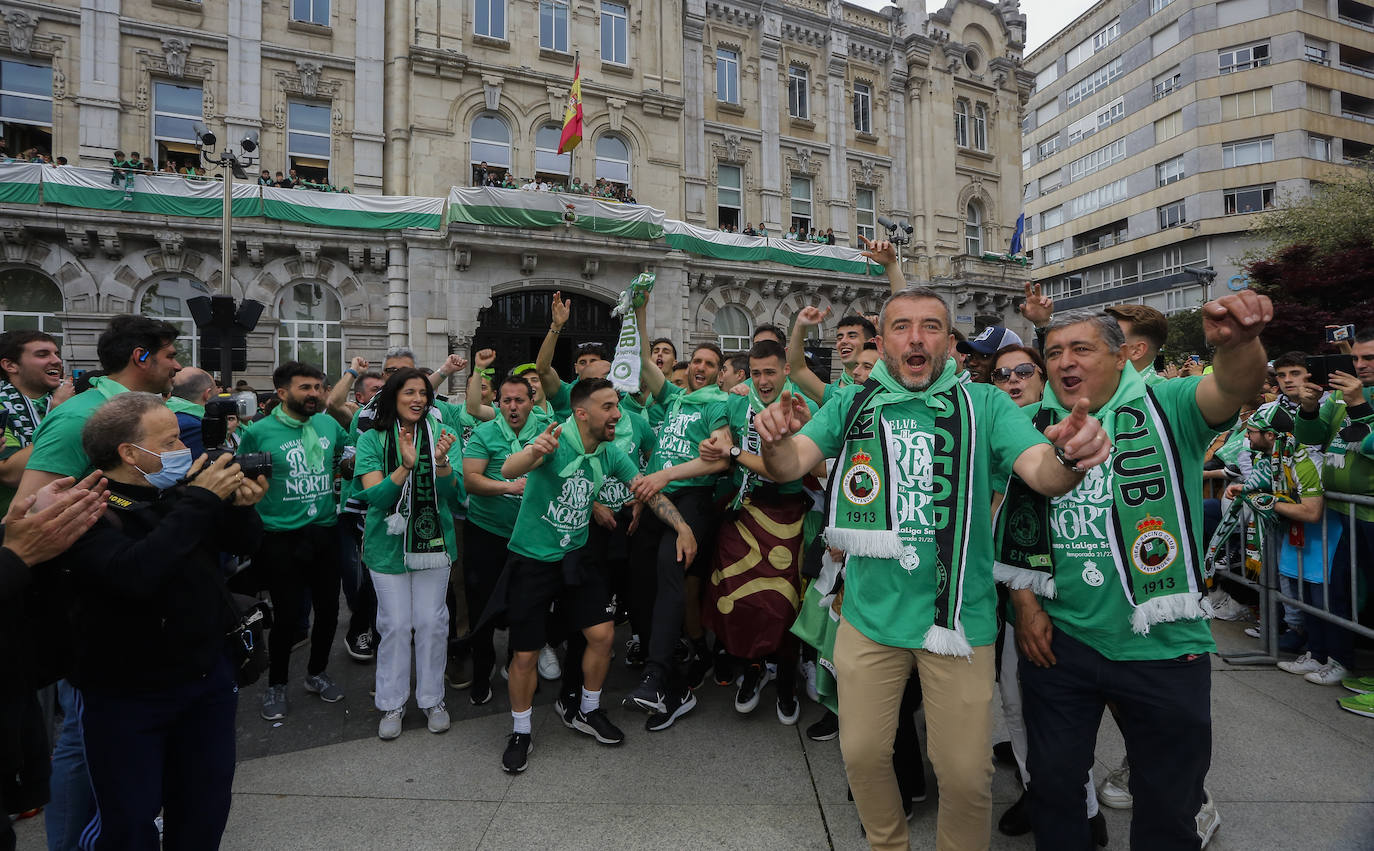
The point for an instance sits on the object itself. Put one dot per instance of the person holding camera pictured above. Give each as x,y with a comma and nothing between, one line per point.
150,616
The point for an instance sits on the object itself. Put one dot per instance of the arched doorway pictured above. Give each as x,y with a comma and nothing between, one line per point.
516,323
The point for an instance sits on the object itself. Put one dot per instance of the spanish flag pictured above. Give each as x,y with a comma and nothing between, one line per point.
572,116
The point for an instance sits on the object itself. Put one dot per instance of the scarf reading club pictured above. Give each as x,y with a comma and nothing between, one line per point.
25,413
1149,515
862,512
416,513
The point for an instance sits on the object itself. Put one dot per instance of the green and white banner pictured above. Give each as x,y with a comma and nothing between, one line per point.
735,246
19,182
158,194
519,208
346,210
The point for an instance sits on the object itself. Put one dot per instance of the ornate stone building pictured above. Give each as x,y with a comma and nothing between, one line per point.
782,113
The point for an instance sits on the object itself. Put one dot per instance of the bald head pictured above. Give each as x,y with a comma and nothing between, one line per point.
193,385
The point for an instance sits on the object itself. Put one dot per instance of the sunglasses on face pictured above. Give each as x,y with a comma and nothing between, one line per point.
1003,374
390,369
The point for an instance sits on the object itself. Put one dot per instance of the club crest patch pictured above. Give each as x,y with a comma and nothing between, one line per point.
1092,576
1154,549
861,483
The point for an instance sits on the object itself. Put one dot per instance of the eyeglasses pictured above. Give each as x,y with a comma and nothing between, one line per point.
1003,374
390,369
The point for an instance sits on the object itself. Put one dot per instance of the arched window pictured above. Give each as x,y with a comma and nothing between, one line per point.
980,127
490,145
733,328
30,300
548,163
613,159
166,300
310,332
973,230
961,123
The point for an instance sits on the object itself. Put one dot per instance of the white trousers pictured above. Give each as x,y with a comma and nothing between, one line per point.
408,601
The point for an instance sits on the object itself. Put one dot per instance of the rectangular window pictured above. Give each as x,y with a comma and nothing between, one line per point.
1096,199
1026,158
488,18
1166,83
1248,152
1099,159
1166,38
1052,253
1231,12
1169,126
1318,99
727,75
1111,115
1251,199
1046,112
1315,53
1047,147
798,92
310,11
1097,80
801,203
1169,171
553,25
307,140
1243,58
1319,148
961,124
1052,218
729,206
176,109
26,96
865,212
615,40
1094,43
980,127
1047,76
863,108
1171,215
1156,5
1245,104
1052,181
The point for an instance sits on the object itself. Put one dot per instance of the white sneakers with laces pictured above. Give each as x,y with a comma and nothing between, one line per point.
390,727
1329,674
1302,666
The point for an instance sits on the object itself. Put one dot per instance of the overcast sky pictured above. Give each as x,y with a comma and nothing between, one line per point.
1044,18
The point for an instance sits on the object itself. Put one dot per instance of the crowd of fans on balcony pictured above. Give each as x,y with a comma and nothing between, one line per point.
497,178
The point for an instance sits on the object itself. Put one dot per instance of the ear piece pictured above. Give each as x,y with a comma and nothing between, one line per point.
143,357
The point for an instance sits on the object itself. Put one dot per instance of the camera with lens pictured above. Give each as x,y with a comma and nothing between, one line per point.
214,432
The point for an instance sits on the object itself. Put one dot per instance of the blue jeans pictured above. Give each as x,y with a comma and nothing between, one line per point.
1326,640
73,803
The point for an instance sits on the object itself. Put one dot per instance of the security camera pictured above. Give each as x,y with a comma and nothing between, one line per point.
203,135
250,142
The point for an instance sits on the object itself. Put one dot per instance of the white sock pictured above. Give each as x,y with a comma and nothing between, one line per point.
522,720
590,700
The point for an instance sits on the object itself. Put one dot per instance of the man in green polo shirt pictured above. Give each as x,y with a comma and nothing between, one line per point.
917,456
31,385
137,353
1107,580
564,467
300,547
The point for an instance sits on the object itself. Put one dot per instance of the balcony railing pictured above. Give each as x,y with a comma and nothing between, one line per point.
1358,116
1357,23
1357,69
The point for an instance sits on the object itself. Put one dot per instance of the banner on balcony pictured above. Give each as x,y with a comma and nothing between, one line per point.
19,182
157,194
519,208
346,210
735,246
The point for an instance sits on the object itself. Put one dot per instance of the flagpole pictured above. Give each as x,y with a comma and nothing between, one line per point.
572,152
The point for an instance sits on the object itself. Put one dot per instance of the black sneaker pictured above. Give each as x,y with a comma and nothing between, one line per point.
649,694
697,670
480,694
362,648
677,707
634,653
598,726
516,757
1002,752
1016,820
682,653
1098,825
751,684
724,667
566,707
825,729
788,710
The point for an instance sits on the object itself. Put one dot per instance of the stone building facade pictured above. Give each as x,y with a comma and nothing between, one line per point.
714,111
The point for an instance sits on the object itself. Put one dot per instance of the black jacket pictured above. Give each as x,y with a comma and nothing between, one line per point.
150,609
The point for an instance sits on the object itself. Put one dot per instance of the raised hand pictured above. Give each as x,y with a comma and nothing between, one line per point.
47,532
407,446
1037,307
358,365
880,251
455,363
1310,396
811,316
484,359
560,310
778,420
547,442
442,446
1236,319
1349,385
801,412
66,389
1080,438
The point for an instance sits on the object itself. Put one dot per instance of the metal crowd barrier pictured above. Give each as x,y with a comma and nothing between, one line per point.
1271,596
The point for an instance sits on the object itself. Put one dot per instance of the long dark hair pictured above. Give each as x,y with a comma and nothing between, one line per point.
384,404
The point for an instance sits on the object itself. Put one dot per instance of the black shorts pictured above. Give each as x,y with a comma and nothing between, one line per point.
533,586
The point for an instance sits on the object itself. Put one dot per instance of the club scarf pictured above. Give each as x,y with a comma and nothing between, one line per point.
1273,479
310,441
416,513
25,413
705,396
863,520
1148,522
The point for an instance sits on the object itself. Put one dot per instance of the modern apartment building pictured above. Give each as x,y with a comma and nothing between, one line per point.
1159,132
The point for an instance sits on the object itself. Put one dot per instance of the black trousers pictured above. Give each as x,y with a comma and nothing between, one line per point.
170,750
291,562
484,557
363,606
24,757
1165,714
606,552
657,583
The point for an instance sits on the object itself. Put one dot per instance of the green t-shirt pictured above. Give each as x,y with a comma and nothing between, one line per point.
1349,466
300,494
57,441
738,410
462,424
555,512
1090,604
683,430
489,443
384,552
633,437
884,600
561,402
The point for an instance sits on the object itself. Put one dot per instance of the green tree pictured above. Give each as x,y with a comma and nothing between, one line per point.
1185,336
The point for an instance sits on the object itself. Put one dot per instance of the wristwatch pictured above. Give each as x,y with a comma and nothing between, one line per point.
735,452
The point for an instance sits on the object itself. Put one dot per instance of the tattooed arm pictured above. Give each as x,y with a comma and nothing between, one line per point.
664,509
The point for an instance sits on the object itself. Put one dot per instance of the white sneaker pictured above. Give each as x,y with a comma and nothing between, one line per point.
1225,608
809,672
1302,665
438,717
1115,791
549,668
1253,631
1329,674
1208,819
390,728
